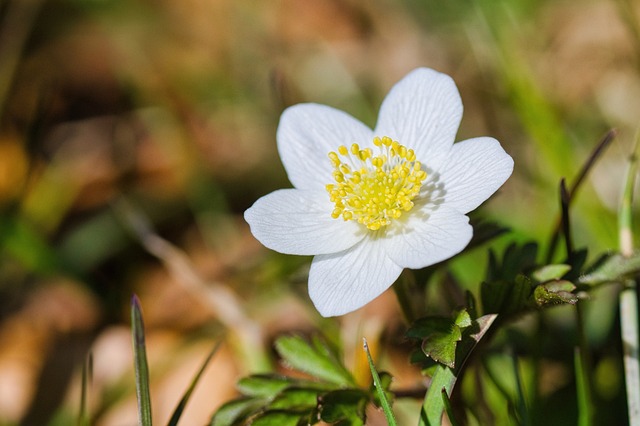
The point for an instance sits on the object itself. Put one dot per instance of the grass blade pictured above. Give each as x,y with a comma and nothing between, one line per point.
87,374
522,400
140,363
448,408
386,407
183,402
585,410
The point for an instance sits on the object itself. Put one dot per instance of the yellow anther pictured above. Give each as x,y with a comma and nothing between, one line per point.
374,190
335,160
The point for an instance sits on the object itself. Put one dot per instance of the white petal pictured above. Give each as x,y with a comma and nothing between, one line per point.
307,133
427,237
476,168
343,282
291,221
423,112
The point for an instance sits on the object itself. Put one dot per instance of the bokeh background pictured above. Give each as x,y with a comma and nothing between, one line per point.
134,133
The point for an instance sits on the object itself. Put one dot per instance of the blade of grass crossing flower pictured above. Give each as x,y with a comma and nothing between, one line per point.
628,296
183,402
448,408
386,407
140,363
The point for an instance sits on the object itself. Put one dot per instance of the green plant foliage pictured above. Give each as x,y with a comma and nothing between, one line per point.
236,411
381,389
346,407
177,413
613,268
444,377
316,359
555,293
550,272
440,336
279,418
329,395
140,363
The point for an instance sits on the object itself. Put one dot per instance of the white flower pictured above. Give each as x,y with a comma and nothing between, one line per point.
369,203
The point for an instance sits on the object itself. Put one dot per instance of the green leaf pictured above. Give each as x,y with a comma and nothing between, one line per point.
506,297
185,398
515,260
140,363
441,346
233,412
550,272
463,319
279,418
613,269
440,336
555,293
296,398
264,385
444,378
346,406
316,360
380,390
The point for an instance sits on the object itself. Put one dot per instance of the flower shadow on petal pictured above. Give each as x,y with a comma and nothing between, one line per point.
432,196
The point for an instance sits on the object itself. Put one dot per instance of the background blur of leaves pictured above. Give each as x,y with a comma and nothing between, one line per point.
172,105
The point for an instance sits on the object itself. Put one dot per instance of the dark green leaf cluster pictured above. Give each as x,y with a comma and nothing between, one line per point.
517,284
330,394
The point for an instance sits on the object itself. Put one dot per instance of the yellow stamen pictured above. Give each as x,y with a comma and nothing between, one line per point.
374,190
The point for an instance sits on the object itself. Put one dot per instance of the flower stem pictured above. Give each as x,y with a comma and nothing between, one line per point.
406,299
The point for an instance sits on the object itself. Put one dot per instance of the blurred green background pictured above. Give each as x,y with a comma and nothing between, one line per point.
163,113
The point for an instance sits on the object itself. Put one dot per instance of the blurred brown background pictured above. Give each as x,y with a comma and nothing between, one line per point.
162,113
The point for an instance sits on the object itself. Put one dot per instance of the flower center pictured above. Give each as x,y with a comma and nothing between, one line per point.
373,190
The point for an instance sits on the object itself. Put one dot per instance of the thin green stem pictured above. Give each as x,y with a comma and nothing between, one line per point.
522,401
582,367
403,294
571,192
628,296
